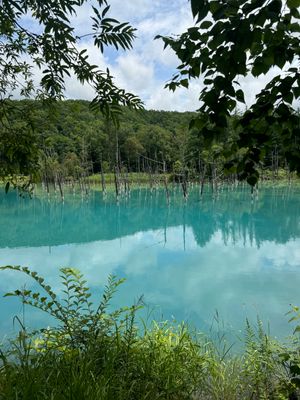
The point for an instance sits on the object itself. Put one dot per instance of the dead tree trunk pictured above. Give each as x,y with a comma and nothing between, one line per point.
184,185
117,182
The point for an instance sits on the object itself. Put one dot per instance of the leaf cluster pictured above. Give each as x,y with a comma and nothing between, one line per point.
233,39
53,47
80,323
106,357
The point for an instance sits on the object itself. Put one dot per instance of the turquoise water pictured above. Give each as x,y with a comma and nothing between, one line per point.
231,254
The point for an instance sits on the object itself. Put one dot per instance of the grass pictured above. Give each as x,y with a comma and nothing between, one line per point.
94,354
134,179
140,180
143,178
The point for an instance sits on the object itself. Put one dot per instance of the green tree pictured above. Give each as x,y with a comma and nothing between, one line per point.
133,149
51,44
235,38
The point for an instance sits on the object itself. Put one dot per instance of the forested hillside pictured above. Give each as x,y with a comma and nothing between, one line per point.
70,139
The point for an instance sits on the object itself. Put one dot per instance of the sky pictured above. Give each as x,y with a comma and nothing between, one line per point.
146,68
194,292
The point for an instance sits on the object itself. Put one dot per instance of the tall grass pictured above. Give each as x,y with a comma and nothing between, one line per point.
96,354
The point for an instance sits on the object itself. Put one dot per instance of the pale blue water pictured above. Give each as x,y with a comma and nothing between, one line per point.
230,254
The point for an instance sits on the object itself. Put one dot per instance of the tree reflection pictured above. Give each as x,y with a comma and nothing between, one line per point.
274,216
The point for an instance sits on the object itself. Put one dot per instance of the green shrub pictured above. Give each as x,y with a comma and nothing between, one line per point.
96,354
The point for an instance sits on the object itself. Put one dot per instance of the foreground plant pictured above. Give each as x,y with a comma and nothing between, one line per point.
41,49
93,353
235,39
79,323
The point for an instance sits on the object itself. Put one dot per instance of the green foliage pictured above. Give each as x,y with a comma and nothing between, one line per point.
52,45
18,143
97,354
233,39
79,324
72,138
261,362
71,142
53,48
291,359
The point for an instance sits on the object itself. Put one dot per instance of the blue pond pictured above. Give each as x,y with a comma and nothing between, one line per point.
229,253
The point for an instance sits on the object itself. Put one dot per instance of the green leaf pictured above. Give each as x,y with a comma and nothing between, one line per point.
7,187
196,6
215,6
200,9
206,24
297,329
240,96
194,33
260,67
295,370
295,13
294,27
296,91
288,97
293,3
296,381
252,180
275,6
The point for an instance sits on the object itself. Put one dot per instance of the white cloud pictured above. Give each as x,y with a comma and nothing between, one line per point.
134,10
188,284
145,69
180,100
252,86
74,89
133,73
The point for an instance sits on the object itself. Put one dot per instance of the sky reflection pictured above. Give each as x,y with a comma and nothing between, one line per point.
187,260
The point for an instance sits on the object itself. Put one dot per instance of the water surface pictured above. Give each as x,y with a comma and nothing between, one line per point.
230,253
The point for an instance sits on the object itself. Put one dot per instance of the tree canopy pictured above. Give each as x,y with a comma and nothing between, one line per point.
51,45
231,39
72,141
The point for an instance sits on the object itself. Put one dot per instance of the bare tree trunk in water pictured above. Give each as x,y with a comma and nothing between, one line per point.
47,183
213,177
117,183
150,177
184,185
102,179
167,189
127,186
202,172
59,182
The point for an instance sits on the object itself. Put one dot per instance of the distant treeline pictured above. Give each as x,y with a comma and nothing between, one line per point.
70,140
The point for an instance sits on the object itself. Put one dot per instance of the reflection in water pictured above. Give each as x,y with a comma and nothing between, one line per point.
38,222
188,260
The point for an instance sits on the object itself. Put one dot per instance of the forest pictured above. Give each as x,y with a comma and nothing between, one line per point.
233,247
69,141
